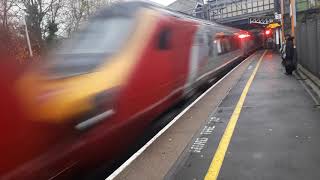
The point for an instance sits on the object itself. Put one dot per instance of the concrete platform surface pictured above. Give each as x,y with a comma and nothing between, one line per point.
257,124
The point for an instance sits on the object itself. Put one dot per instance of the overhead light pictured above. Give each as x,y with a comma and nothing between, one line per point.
268,32
241,36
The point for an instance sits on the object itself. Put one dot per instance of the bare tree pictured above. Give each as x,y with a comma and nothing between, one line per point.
80,10
5,7
52,24
41,19
77,13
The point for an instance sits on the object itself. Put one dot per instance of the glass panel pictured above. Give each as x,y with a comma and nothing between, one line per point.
219,46
229,8
254,3
243,4
234,7
239,6
89,47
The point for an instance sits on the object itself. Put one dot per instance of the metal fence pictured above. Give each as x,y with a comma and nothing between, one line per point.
230,8
308,44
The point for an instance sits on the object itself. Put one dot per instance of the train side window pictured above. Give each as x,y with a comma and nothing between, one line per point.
164,40
227,45
199,39
210,44
219,46
235,43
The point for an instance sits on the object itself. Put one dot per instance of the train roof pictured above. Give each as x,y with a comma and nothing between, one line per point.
129,8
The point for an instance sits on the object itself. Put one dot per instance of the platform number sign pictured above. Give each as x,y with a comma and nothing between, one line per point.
260,20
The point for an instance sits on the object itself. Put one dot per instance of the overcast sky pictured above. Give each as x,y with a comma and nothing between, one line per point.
163,2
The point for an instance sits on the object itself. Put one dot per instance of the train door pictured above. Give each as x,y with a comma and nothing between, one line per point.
151,84
224,48
202,43
198,57
183,39
157,69
165,55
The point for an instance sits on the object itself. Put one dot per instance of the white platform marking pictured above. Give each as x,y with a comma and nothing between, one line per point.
199,144
207,130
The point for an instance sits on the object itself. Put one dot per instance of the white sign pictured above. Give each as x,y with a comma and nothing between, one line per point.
277,16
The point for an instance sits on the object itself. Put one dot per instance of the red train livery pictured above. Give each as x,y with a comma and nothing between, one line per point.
97,93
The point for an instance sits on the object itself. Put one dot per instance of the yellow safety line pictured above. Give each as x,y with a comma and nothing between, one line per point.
218,158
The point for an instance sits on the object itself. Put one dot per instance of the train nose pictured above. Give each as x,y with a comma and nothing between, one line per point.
47,95
103,109
64,101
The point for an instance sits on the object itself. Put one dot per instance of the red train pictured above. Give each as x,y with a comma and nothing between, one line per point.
92,98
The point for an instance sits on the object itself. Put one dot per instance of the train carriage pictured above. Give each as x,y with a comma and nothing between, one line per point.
130,63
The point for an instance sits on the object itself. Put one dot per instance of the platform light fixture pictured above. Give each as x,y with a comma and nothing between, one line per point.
268,32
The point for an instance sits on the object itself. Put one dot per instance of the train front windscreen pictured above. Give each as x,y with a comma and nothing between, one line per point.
91,46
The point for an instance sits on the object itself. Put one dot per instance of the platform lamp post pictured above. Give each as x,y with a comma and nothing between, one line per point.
27,36
293,18
282,21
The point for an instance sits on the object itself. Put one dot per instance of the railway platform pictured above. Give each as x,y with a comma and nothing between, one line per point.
256,123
